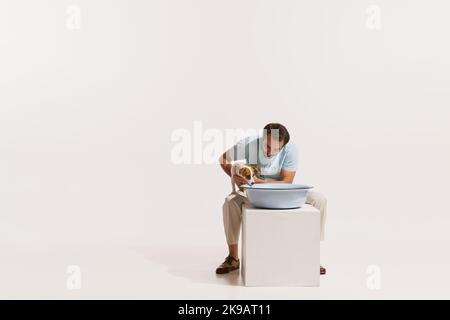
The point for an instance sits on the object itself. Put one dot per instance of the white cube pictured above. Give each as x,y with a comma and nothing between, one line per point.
281,247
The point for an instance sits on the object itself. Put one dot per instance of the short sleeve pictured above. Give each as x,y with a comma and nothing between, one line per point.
290,161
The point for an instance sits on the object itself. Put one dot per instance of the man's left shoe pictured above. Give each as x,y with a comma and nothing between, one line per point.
323,270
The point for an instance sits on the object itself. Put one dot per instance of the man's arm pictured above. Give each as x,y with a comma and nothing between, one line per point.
285,177
226,167
225,164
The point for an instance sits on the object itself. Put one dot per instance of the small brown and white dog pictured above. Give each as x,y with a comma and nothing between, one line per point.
245,171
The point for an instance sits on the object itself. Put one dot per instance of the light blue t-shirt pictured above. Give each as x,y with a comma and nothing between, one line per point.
251,150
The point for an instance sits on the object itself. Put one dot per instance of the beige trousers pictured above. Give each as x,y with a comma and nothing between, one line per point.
232,213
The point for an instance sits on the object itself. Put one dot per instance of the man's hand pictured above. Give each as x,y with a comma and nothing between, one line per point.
258,180
285,177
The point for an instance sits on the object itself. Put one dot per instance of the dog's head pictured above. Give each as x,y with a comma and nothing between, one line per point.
248,174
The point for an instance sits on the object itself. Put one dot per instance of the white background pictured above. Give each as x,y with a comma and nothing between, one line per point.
86,118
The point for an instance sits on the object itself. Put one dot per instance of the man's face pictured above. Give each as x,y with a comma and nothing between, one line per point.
271,145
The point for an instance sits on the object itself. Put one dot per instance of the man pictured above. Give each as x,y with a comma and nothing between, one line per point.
276,158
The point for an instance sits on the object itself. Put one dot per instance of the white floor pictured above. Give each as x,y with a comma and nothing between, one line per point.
186,271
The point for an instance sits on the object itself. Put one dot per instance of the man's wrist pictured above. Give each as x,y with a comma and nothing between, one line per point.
257,180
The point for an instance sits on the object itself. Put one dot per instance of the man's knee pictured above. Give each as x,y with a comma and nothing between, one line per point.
322,199
230,197
232,204
318,198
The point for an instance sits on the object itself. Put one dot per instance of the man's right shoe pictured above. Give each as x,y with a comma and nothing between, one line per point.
228,265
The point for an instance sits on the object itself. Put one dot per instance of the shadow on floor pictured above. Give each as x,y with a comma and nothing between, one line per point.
196,263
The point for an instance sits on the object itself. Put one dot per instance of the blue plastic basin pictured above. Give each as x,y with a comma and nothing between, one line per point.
277,196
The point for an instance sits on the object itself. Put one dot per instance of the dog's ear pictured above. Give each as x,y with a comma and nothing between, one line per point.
256,171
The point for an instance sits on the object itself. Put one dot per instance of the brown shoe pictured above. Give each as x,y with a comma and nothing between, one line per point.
323,270
228,265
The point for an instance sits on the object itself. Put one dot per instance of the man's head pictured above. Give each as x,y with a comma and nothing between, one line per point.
275,137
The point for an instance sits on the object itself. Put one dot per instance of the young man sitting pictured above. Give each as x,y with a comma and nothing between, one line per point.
276,157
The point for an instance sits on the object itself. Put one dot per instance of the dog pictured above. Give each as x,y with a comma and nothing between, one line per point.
245,171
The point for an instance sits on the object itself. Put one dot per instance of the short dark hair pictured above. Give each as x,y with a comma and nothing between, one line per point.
283,133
